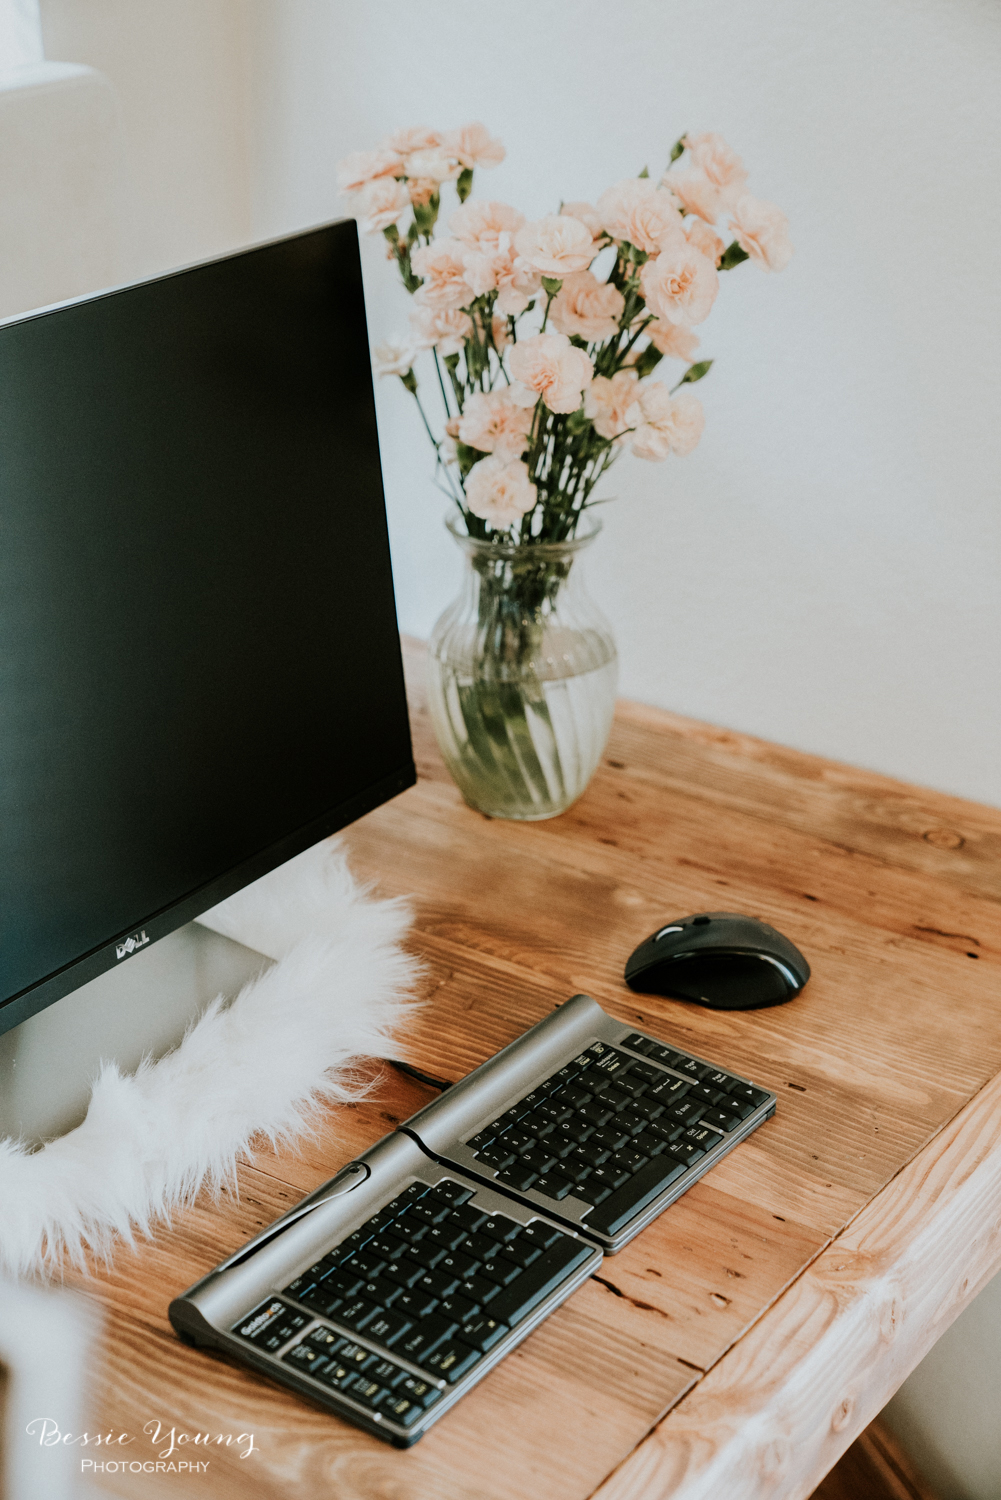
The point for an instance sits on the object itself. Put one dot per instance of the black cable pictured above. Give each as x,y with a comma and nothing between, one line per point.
434,1083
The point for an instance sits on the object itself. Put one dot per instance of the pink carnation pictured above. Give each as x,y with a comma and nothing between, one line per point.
433,165
556,245
442,265
673,340
382,201
587,307
472,146
445,330
499,331
415,138
668,424
486,227
680,286
550,366
762,229
639,211
361,166
704,238
589,215
697,193
711,155
493,423
499,491
612,403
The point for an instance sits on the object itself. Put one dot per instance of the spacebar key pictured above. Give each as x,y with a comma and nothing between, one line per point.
624,1204
517,1300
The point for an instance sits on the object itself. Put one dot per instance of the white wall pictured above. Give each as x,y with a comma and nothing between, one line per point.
824,570
180,71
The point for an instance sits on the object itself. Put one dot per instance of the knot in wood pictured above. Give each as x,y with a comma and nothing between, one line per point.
775,1458
843,1414
890,1319
944,838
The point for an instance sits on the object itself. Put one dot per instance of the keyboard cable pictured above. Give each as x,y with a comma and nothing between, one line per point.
441,1084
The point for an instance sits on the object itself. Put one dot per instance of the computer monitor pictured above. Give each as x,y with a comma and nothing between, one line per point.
200,669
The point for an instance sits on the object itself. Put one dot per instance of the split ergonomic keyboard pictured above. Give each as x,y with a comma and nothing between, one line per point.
391,1290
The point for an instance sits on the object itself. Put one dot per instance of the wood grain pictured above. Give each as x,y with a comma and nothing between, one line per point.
780,1273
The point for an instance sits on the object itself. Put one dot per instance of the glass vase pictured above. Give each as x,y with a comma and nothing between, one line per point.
522,671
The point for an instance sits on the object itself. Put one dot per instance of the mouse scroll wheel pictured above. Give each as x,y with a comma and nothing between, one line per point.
664,931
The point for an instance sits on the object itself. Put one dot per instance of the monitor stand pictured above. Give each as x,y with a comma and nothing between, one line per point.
48,1063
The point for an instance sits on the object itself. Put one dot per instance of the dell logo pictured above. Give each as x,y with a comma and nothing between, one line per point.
137,940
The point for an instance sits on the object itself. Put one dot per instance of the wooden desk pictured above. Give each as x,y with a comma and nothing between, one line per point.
739,1344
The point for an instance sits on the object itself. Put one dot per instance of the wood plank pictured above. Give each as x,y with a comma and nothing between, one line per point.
771,1419
892,892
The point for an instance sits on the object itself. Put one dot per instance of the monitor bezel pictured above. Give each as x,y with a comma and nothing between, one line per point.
99,960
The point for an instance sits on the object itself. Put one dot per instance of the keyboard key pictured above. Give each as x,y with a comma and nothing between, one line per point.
425,1337
478,1289
368,1392
387,1327
563,1139
691,1068
356,1313
752,1095
685,1151
629,1160
610,1176
500,1228
669,1090
380,1291
521,1251
516,1140
411,1230
573,1094
721,1119
322,1301
575,1170
482,1332
386,1372
416,1303
326,1340
519,1177
337,1374
567,1074
502,1271
553,1186
737,1106
665,1129
706,1094
401,1409
638,1043
480,1246
430,1211
416,1389
405,1273
539,1159
497,1156
414,1192
630,1122
688,1111
516,1301
539,1234
468,1217
445,1236
452,1360
538,1125
649,1145
588,1155
438,1283
609,1064
597,1112
356,1355
343,1283
699,1135
366,1264
482,1138
627,1201
646,1109
554,1111
452,1193
426,1255
610,1137
660,1053
460,1264
300,1286
644,1073
592,1192
305,1358
388,1246
458,1307
613,1098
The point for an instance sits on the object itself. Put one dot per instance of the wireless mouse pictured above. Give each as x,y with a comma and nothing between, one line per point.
720,959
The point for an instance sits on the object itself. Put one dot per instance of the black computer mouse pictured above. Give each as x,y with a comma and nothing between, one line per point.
720,959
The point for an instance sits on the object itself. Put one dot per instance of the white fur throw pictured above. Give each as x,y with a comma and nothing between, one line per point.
256,1067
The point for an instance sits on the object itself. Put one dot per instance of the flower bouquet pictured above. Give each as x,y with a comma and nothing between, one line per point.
542,340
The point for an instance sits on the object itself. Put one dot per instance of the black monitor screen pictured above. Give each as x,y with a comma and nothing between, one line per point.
200,669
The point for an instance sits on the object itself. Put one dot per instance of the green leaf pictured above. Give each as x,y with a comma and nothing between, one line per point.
678,148
451,361
410,381
645,172
464,184
392,234
648,361
696,372
551,285
732,256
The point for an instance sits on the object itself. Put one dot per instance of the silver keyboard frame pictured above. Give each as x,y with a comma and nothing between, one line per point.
427,1148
